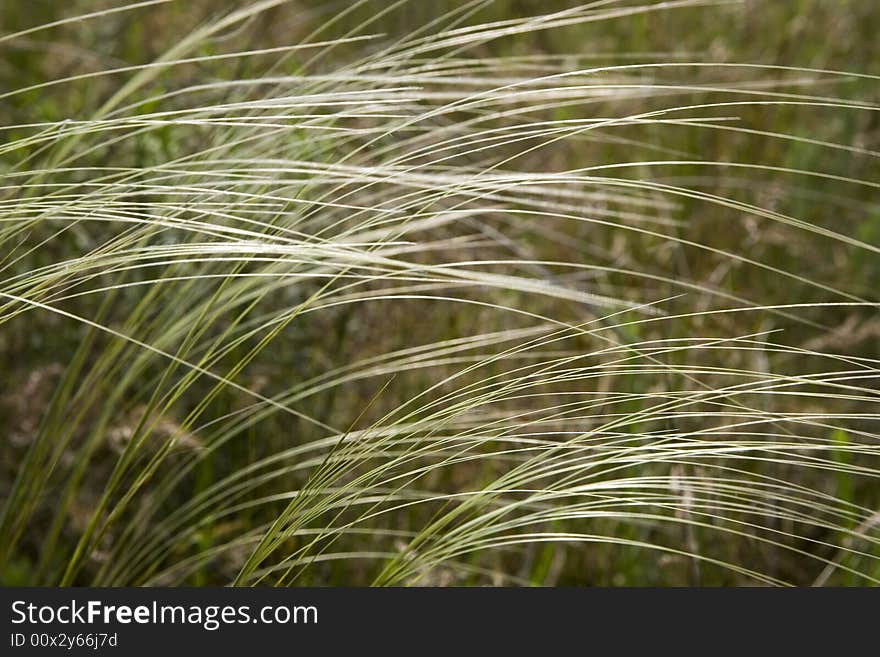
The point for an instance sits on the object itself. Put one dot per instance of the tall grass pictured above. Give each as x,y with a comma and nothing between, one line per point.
286,304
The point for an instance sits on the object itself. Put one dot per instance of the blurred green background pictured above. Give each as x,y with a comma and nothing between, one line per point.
838,35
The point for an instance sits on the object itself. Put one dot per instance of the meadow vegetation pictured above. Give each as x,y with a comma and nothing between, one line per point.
300,292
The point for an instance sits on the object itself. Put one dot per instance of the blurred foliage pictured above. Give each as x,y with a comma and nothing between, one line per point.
838,35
